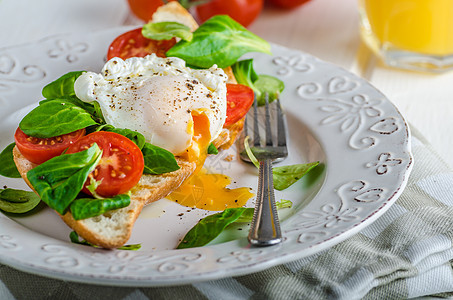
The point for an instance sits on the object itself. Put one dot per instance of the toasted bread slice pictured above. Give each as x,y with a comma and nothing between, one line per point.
113,229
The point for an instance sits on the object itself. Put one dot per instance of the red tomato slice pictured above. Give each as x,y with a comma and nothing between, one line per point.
120,167
39,150
239,100
144,9
242,11
133,43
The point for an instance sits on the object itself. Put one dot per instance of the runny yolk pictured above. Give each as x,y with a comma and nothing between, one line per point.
206,190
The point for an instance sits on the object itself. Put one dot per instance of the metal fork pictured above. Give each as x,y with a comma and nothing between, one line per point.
265,228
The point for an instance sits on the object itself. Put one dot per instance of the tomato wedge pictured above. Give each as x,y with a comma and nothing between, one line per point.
239,100
39,150
120,167
133,43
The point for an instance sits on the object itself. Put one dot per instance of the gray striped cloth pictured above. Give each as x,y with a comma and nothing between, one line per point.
406,253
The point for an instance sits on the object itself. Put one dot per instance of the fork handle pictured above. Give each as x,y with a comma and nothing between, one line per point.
265,228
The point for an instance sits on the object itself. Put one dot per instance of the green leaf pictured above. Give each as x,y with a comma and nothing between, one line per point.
18,201
7,166
285,176
212,149
210,227
158,160
74,237
59,180
54,118
166,31
62,87
221,41
260,84
134,136
84,208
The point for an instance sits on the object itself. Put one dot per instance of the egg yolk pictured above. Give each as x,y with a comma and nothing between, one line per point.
206,190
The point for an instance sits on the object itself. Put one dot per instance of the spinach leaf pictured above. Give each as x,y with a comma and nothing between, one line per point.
210,227
166,31
54,118
84,208
134,136
62,87
158,160
59,180
220,40
285,176
74,237
261,84
7,166
18,201
212,149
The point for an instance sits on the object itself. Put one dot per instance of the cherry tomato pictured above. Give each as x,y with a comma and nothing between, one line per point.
144,9
242,11
239,100
120,167
133,43
288,3
39,150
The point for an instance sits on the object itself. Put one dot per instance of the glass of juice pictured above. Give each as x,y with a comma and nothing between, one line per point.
410,34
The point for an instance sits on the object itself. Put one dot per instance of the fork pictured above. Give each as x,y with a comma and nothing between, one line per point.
265,227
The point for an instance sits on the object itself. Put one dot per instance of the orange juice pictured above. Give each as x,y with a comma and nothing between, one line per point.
424,27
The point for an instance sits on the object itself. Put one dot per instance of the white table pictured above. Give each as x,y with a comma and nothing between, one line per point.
327,29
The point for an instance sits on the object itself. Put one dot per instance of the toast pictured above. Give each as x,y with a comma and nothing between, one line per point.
113,229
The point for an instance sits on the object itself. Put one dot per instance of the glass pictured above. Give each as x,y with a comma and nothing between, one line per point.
411,34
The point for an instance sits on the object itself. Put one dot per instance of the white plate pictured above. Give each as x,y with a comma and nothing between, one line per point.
335,117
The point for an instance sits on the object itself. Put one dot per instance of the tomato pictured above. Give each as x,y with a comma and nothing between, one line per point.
242,11
144,9
39,150
239,100
288,3
120,167
133,43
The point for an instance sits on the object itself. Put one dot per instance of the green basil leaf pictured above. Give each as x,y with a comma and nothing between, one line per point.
54,118
158,160
7,166
84,208
244,72
134,136
18,201
166,31
212,149
285,176
74,237
210,227
62,87
221,41
74,100
59,180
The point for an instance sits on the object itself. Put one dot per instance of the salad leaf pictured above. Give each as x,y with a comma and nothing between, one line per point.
62,87
261,84
18,201
134,136
212,149
59,180
74,237
54,118
285,176
84,208
220,40
7,166
158,160
166,31
210,227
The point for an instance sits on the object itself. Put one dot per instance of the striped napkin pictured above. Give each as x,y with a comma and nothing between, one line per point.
406,253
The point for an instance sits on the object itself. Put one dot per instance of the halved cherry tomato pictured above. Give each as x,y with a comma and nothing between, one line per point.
120,167
39,150
239,100
133,43
144,9
288,4
242,11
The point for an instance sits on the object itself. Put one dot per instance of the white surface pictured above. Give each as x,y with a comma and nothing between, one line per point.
334,117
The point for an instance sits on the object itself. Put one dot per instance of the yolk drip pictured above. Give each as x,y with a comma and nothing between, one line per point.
205,190
209,191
